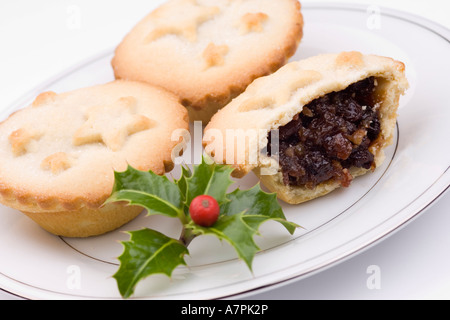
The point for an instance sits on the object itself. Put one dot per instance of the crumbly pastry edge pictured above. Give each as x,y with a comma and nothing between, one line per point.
394,86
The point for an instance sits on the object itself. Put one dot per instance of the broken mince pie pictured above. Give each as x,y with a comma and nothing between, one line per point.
58,156
313,126
204,51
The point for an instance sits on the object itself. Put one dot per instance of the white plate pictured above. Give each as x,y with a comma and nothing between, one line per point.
37,265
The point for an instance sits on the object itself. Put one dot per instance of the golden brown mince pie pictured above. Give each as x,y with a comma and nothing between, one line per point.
59,154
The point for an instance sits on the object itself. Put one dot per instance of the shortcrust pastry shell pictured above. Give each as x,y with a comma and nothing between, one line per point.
271,102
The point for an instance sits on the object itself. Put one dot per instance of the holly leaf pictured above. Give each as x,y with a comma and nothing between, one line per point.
235,231
147,252
182,183
257,206
209,179
155,193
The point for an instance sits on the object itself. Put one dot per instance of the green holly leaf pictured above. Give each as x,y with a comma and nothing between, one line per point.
257,206
155,193
209,179
240,219
147,252
235,231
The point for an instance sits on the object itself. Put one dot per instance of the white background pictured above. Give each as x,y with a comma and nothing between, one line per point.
41,38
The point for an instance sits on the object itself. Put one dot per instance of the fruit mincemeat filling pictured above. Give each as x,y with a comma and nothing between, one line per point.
330,135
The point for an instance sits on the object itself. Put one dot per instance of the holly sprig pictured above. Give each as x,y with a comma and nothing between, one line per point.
150,252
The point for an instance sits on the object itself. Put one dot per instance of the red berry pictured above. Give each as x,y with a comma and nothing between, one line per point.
204,210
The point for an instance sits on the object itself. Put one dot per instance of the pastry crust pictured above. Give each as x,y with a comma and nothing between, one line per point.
273,101
204,51
58,155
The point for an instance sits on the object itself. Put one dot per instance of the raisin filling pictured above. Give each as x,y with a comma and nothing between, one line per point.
330,135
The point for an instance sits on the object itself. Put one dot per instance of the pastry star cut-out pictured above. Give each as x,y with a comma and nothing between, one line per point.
280,94
20,140
351,59
57,162
181,18
44,98
214,55
112,125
